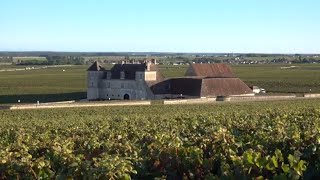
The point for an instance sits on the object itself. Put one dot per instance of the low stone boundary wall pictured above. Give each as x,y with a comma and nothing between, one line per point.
262,98
311,95
190,101
223,98
60,102
70,105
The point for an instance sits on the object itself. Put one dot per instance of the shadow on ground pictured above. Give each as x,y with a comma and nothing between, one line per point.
33,98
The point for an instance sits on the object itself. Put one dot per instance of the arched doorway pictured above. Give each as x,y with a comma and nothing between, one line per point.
126,97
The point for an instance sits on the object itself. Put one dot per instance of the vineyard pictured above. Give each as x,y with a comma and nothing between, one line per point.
261,140
47,85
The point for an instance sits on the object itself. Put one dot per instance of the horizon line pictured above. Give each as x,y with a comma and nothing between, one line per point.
159,52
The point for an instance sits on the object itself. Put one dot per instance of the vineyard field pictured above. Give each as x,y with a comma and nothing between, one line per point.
54,84
260,140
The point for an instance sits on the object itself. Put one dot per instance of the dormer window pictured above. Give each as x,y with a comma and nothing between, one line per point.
122,75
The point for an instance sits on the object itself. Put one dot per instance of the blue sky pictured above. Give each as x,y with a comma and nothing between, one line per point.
257,26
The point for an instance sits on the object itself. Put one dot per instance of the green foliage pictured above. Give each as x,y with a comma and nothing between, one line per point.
262,140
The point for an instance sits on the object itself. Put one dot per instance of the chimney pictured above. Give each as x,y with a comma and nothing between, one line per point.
148,66
154,61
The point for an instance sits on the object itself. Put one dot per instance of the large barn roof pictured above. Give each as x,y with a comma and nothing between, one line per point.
210,70
202,87
223,87
96,66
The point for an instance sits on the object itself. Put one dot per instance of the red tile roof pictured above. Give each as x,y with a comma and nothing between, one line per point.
210,70
223,87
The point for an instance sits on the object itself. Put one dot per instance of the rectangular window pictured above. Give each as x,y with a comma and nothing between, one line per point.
108,84
140,76
122,75
122,85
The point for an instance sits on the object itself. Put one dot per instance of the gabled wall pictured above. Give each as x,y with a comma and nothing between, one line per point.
93,83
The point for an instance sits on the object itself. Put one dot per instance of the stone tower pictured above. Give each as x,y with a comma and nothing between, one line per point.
94,79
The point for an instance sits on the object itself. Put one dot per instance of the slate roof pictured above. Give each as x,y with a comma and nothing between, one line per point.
131,69
96,66
186,86
210,70
190,86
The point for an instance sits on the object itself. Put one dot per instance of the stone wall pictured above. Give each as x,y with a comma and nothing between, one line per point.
104,88
190,101
262,98
311,95
93,80
71,105
92,93
117,89
175,96
150,76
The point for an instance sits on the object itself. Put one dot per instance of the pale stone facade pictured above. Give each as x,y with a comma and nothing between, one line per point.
102,84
